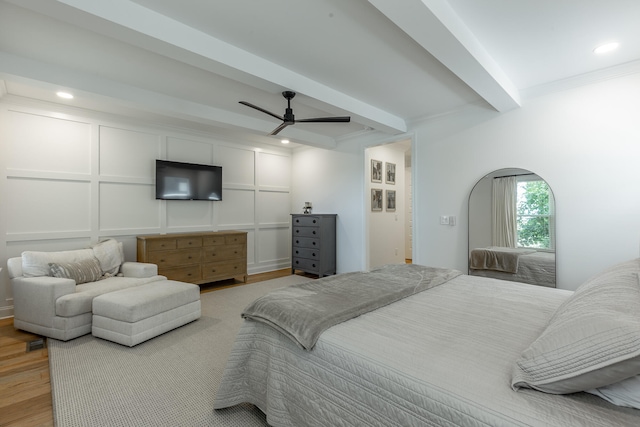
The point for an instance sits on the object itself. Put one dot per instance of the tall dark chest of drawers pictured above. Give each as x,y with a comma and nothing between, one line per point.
313,243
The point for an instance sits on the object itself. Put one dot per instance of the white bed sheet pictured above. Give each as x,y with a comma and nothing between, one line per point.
442,357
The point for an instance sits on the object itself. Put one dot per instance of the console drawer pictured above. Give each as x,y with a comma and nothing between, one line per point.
217,253
310,265
236,239
306,221
305,242
189,242
306,253
161,245
175,258
215,270
213,240
306,231
187,274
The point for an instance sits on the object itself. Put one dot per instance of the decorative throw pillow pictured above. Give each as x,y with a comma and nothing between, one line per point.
592,340
84,271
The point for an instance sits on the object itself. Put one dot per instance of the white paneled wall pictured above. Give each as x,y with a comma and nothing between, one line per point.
69,181
274,177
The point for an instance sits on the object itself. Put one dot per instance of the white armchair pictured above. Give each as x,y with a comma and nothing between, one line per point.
59,307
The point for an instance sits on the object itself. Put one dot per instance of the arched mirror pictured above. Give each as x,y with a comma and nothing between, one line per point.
512,230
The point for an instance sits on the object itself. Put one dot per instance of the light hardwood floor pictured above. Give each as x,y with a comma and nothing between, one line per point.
25,387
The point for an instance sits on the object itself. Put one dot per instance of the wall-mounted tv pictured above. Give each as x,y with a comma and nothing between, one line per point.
188,181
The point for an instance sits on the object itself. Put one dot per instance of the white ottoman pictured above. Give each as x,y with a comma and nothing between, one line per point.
134,315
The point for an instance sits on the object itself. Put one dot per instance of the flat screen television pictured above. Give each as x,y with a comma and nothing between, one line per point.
188,181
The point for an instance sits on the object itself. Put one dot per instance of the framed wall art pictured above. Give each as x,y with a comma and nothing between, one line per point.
391,200
390,173
376,199
376,171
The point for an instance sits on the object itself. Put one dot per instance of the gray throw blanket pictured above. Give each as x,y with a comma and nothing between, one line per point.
497,258
303,312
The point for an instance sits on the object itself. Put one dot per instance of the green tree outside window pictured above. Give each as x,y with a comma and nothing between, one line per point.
533,215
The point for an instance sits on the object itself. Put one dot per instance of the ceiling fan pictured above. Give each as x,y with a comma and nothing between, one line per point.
289,119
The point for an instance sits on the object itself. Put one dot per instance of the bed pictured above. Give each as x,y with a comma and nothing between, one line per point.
534,267
445,355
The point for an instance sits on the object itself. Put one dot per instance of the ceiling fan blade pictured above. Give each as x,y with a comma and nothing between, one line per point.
261,109
345,119
278,129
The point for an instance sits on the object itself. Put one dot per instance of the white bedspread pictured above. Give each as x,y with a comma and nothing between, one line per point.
442,357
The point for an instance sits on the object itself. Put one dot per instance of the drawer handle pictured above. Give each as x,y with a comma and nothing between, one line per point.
297,220
161,260
188,274
314,231
297,241
235,268
297,252
297,262
235,252
313,265
314,221
189,257
313,254
297,231
213,270
314,243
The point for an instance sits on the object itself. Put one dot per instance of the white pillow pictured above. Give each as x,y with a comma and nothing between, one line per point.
110,254
36,264
623,393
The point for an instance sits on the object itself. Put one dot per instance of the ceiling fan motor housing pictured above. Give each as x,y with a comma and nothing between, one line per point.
289,118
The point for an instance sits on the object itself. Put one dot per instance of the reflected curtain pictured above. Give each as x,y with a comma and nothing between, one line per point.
552,220
503,230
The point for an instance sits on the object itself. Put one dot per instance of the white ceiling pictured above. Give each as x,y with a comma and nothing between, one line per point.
385,63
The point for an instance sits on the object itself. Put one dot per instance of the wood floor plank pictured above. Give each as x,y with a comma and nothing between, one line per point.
35,412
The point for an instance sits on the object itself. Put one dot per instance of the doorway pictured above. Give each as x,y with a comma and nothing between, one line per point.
389,204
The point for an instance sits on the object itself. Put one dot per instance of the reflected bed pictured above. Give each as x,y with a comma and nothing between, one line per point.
534,267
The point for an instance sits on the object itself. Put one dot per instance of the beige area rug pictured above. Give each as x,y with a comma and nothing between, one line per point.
170,380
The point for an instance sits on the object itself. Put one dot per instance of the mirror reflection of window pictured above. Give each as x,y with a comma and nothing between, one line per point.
512,228
534,213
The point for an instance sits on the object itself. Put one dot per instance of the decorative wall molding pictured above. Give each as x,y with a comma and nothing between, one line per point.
72,180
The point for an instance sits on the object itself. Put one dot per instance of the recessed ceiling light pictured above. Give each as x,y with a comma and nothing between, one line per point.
65,95
605,48
285,141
